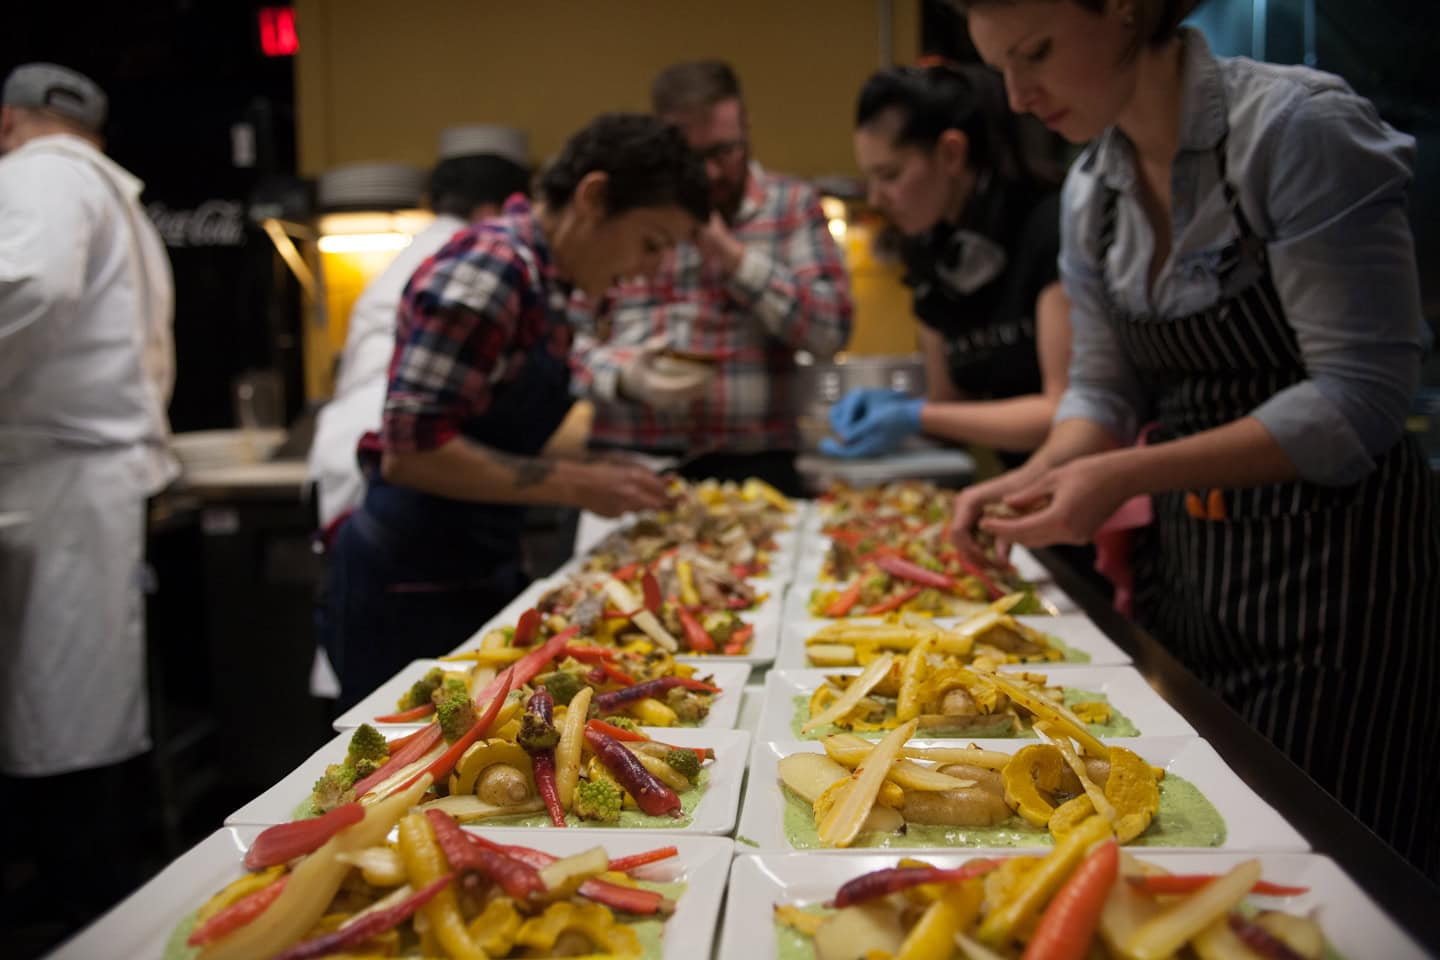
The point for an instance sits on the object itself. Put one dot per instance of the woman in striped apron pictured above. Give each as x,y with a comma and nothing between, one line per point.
1273,337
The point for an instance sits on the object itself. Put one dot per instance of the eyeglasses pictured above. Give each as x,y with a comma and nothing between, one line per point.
724,150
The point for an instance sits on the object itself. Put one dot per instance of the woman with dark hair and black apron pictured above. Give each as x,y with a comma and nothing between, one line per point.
1236,247
479,382
943,161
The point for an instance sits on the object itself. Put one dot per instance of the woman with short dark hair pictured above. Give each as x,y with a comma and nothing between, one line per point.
479,382
1236,247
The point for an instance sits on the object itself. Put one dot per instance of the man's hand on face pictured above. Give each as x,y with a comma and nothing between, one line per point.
718,245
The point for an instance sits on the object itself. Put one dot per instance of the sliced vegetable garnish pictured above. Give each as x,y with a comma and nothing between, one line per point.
286,841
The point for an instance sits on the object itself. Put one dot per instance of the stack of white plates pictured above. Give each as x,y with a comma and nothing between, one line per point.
216,449
371,186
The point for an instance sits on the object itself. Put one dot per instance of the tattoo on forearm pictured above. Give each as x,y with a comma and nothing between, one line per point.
529,471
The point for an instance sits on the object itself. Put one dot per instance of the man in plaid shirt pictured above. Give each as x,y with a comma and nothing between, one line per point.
764,280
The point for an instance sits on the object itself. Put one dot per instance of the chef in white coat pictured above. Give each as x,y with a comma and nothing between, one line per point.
479,167
86,367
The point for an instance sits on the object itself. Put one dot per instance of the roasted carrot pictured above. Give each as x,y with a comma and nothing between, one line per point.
1068,924
652,796
526,628
285,841
626,864
238,914
406,716
845,600
894,602
695,635
542,761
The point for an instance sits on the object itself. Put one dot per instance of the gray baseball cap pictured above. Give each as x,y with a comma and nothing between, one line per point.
49,86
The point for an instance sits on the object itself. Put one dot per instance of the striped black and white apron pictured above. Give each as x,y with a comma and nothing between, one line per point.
1314,611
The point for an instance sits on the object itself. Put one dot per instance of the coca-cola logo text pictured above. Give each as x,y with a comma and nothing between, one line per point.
214,223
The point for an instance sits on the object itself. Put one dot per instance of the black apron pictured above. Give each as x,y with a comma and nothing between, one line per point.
414,575
1314,611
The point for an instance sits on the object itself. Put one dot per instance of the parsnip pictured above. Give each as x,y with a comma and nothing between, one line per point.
568,750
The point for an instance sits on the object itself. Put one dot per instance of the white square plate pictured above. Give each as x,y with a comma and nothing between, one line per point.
141,925
730,677
1075,630
1250,823
1123,687
715,814
1353,923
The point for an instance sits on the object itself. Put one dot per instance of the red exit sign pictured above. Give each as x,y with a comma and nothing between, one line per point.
277,32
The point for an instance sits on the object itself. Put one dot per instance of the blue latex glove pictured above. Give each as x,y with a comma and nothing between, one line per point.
871,422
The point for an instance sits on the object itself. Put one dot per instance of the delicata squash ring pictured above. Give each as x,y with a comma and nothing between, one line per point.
1131,789
590,921
1033,769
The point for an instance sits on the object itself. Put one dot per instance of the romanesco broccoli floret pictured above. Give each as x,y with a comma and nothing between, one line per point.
367,750
685,762
535,734
456,716
420,691
450,689
563,685
597,800
334,787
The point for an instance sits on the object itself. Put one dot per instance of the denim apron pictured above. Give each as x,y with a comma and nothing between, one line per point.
413,574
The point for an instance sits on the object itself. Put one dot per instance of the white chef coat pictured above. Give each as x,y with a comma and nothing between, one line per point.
364,373
86,368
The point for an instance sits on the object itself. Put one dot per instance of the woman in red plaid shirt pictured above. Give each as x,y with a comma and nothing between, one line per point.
478,383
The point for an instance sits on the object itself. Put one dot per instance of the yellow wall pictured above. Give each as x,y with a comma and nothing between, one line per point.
379,79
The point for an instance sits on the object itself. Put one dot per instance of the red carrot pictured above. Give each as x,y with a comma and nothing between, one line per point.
406,716
882,883
237,915
696,636
526,628
286,841
542,761
845,600
895,602
905,570
652,796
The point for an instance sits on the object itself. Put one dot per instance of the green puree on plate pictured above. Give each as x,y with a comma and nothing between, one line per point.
649,931
1117,726
1186,819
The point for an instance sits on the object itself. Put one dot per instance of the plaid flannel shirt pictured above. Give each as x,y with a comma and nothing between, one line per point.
467,319
790,292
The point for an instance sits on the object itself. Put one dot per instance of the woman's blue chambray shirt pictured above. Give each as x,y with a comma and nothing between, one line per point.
1323,180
